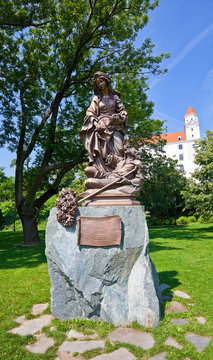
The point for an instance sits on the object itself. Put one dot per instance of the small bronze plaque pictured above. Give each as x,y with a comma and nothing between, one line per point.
99,231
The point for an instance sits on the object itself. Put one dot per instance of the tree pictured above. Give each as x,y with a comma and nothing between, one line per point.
7,199
199,191
50,50
161,192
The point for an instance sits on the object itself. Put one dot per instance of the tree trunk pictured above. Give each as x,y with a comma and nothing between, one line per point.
30,229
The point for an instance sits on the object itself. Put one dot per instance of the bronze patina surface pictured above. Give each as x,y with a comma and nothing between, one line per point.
99,231
111,166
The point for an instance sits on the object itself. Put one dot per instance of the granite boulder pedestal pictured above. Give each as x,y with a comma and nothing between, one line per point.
117,283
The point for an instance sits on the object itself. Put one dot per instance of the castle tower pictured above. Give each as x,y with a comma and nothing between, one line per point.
192,126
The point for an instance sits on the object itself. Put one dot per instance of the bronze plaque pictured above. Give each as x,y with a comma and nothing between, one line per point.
99,231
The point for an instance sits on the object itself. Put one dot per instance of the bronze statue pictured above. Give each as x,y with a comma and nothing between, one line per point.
113,171
104,126
128,171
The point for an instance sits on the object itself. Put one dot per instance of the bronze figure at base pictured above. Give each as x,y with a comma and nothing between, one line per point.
115,174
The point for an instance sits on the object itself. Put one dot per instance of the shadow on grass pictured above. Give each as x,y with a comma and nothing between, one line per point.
157,246
13,256
181,232
169,278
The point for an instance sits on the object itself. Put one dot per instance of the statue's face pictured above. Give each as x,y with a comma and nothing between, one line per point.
101,83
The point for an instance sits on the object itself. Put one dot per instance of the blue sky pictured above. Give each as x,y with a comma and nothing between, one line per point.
185,30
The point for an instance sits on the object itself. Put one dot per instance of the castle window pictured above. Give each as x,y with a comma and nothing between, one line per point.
179,138
191,129
192,135
180,146
181,157
181,167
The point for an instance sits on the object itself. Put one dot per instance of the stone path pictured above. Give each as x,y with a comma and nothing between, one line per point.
80,346
200,342
135,337
181,294
179,321
41,345
161,356
120,354
32,326
176,306
172,342
77,342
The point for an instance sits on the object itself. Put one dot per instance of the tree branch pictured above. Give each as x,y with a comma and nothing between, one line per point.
51,191
22,25
20,157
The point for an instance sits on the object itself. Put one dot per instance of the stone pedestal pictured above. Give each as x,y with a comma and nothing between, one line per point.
118,284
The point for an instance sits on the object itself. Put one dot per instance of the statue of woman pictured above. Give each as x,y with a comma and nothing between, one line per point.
104,126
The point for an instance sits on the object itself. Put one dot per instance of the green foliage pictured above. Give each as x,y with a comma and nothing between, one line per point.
192,219
202,220
182,220
7,200
50,51
199,190
211,219
161,192
1,219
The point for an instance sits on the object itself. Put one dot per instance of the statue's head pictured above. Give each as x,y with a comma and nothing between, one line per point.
100,77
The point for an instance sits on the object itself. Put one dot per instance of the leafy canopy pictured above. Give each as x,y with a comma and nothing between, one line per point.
199,192
50,51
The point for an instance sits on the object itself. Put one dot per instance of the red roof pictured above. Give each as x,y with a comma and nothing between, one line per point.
175,136
190,111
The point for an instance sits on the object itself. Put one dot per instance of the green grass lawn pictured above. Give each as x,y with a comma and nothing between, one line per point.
184,260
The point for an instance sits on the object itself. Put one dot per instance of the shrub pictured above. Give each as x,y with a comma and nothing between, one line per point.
182,220
153,220
192,219
166,221
211,219
201,220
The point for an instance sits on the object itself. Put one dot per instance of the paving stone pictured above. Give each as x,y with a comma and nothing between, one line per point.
181,294
38,309
201,319
161,356
172,342
80,346
121,353
41,345
200,342
163,287
32,326
20,319
131,336
176,307
66,356
78,335
179,321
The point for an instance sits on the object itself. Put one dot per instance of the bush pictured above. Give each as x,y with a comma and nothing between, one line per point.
205,220
192,219
202,220
183,220
211,219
